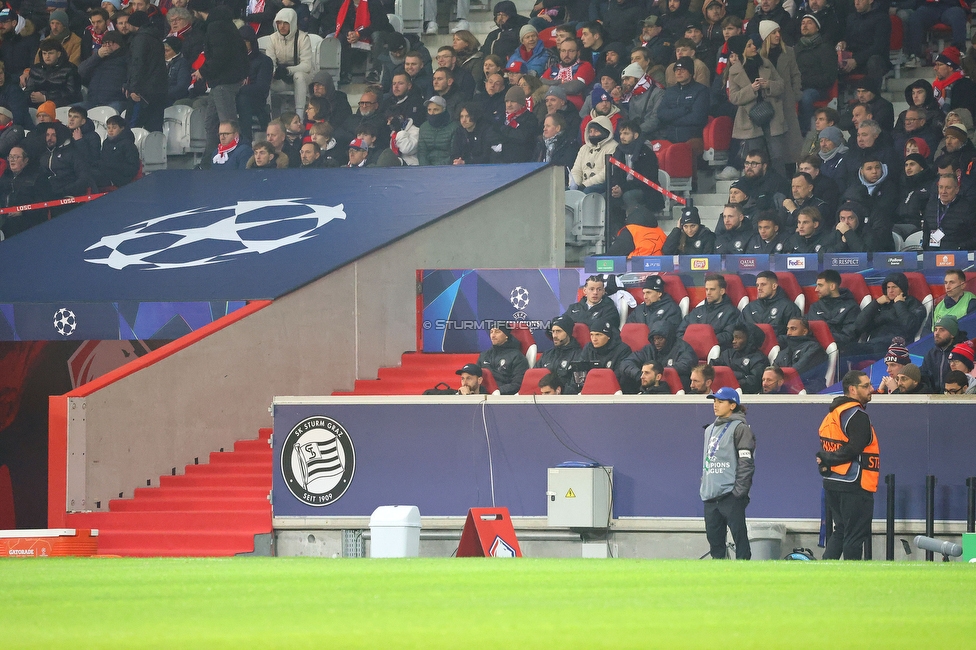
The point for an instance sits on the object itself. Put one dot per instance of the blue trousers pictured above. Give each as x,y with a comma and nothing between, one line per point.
926,16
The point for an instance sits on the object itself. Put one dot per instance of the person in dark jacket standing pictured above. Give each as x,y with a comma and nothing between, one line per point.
801,351
356,24
22,183
717,311
836,307
728,465
595,307
849,461
225,67
817,62
105,73
148,80
504,40
666,350
866,37
745,358
504,359
252,98
658,305
771,306
564,353
894,313
118,163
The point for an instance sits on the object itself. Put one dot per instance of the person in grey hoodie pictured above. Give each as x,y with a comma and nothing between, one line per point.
728,465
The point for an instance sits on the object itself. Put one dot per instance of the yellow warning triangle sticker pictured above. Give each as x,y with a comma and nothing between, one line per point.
570,494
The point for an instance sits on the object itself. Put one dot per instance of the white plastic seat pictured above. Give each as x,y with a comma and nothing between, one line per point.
176,128
61,113
152,151
99,114
411,13
396,22
912,243
330,53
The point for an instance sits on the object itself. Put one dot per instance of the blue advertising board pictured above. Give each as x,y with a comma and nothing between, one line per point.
796,262
749,264
699,264
894,261
345,459
461,306
845,262
653,264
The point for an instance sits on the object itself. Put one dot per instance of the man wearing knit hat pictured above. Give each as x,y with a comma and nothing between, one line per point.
516,136
640,97
504,358
894,313
950,87
946,335
911,382
557,103
58,29
962,359
504,40
896,358
689,237
602,105
816,60
825,15
658,305
836,163
565,351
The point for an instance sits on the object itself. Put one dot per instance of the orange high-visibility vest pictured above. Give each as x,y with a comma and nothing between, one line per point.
647,241
867,466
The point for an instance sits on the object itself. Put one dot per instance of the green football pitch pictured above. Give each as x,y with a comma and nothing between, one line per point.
484,603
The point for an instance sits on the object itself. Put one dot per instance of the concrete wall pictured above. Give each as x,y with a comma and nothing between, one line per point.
315,340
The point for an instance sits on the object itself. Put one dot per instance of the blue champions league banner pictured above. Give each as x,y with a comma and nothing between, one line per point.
460,306
207,241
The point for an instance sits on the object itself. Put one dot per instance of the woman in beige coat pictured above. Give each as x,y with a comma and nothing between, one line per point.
782,57
748,75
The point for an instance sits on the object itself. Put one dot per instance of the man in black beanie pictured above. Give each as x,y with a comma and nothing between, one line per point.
565,351
658,305
504,359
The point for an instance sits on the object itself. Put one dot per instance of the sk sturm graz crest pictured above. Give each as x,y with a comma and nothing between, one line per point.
318,461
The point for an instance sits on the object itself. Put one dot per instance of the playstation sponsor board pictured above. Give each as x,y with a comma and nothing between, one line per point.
334,458
461,306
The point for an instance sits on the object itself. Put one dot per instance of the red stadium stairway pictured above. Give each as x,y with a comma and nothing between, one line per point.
214,509
417,372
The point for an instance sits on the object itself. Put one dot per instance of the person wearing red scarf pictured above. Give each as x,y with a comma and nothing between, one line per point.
357,23
517,135
950,87
231,152
91,37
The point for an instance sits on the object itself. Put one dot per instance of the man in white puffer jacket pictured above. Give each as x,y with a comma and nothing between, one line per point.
291,51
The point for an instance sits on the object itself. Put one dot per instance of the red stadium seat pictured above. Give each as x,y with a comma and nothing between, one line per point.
770,345
526,343
919,288
940,32
831,96
581,332
821,331
676,289
857,285
725,377
736,290
548,37
701,338
895,55
793,382
530,381
634,335
679,166
717,138
671,378
787,282
601,381
488,381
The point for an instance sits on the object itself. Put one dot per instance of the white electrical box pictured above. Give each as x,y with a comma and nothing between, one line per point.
579,497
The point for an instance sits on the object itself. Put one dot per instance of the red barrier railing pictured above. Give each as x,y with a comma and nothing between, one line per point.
69,200
643,179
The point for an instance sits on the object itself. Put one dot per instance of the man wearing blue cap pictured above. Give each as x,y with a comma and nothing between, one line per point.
727,469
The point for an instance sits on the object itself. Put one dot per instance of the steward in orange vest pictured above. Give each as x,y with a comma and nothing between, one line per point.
641,236
849,462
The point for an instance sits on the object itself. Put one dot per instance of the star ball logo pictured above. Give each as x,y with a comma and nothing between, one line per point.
205,236
519,298
65,322
318,461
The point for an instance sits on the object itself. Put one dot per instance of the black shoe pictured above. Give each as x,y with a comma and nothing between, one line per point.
345,79
372,77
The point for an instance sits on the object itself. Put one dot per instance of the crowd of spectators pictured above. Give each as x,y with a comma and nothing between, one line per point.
617,76
878,331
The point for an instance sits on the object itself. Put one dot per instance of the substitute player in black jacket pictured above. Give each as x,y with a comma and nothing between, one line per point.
772,306
744,357
565,351
837,307
717,311
504,359
666,350
657,306
595,307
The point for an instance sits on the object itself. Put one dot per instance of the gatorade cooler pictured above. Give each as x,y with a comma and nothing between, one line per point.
394,531
969,547
52,542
